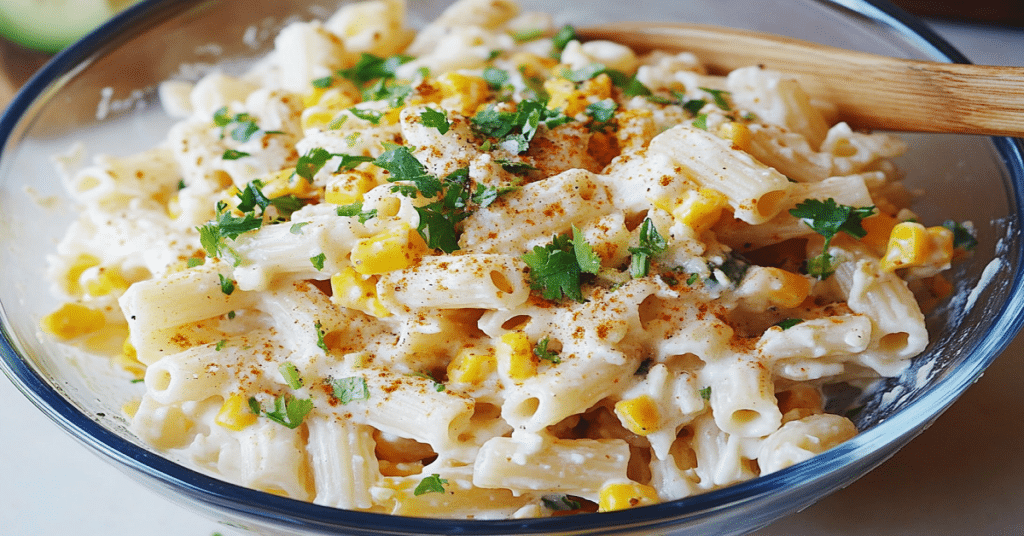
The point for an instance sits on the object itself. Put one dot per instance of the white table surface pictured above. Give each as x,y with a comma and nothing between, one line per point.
962,476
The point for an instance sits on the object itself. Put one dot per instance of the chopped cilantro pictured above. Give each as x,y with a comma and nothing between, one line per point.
734,267
828,219
718,95
789,322
287,411
555,269
513,166
602,113
356,210
213,236
318,261
705,393
515,130
563,36
296,228
370,68
320,333
290,373
350,389
242,125
227,285
584,73
220,345
403,166
651,244
232,154
963,238
373,116
311,162
192,262
701,121
323,83
435,118
542,351
694,106
630,86
496,78
527,35
560,503
431,484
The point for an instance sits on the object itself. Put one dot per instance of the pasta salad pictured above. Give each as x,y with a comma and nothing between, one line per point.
487,270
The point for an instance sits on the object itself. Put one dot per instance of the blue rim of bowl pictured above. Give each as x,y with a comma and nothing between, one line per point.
294,514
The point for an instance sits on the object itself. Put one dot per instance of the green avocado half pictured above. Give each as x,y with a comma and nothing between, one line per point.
51,25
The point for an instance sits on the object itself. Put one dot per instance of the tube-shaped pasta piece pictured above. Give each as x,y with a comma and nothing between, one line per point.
272,459
579,466
483,281
194,374
344,466
412,407
818,337
756,192
461,499
541,209
722,459
158,303
850,190
777,100
743,399
898,329
801,439
290,250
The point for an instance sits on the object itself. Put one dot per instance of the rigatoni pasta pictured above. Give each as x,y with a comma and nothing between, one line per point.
486,270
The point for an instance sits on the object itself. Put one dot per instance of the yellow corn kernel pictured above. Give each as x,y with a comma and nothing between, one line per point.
129,359
565,97
639,415
286,182
82,262
471,366
700,209
235,414
737,133
312,98
349,187
107,281
394,249
174,207
786,289
622,495
130,408
909,245
73,320
355,291
514,356
317,117
532,65
463,93
879,227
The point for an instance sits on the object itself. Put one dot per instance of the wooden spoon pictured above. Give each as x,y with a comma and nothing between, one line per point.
869,91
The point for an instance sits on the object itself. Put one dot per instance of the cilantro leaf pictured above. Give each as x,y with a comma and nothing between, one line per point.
495,78
588,261
403,166
431,484
515,130
227,285
318,261
435,118
373,116
290,373
350,389
560,503
214,235
602,113
963,238
287,411
718,95
232,154
370,67
355,210
630,85
312,162
563,36
555,268
651,244
828,218
788,323
542,351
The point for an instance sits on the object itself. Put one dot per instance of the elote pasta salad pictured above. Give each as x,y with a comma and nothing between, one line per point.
486,270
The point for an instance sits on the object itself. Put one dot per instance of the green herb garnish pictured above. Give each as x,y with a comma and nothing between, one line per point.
287,411
350,389
828,218
431,484
555,269
651,244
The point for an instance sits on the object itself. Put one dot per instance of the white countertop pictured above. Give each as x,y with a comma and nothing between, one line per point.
961,476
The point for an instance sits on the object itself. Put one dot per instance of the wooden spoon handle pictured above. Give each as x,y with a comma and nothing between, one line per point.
869,91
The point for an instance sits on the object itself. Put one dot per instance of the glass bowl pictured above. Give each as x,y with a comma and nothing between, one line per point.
102,92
